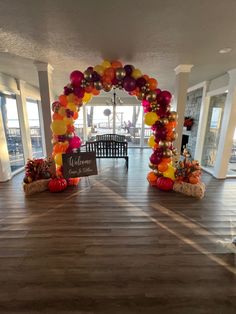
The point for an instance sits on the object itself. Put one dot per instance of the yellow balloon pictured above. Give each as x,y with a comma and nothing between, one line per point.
136,73
58,127
151,141
72,106
87,97
99,69
68,121
106,64
170,172
62,111
58,159
150,118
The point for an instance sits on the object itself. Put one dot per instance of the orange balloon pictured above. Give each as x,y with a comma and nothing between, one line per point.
63,100
106,79
70,128
155,146
116,64
75,115
152,178
109,72
146,77
77,100
57,116
89,89
152,83
95,92
162,167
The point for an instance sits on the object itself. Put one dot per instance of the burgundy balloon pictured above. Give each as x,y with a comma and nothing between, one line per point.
67,90
158,91
114,81
141,82
166,97
90,69
154,159
76,78
79,92
96,77
160,134
128,69
129,84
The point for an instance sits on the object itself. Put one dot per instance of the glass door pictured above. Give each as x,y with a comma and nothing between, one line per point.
213,129
35,128
12,131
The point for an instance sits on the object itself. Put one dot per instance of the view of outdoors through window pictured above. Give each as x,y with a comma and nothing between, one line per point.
35,129
128,122
12,131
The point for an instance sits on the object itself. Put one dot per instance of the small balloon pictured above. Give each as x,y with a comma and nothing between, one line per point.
88,75
120,73
136,73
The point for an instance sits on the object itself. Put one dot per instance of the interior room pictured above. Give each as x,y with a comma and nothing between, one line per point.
118,157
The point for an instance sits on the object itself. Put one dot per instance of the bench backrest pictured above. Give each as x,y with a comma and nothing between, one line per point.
108,148
110,137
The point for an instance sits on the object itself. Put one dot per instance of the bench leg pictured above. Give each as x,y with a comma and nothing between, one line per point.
127,162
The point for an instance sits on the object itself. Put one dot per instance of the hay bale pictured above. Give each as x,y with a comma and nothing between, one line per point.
195,190
36,186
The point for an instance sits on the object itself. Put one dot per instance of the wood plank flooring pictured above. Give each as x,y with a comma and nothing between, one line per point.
118,246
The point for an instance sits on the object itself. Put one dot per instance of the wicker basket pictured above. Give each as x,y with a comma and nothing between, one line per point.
35,186
195,190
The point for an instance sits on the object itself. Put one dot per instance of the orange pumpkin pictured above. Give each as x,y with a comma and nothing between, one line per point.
152,178
193,180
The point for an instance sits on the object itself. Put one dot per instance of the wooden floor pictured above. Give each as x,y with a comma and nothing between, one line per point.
118,246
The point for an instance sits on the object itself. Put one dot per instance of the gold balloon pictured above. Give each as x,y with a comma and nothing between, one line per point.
167,153
107,87
98,85
88,75
143,88
151,96
164,144
174,136
173,116
120,73
164,121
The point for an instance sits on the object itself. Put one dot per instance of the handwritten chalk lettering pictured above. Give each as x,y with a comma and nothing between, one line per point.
79,164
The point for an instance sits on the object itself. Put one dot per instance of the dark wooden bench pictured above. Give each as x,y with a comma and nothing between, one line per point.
109,149
111,137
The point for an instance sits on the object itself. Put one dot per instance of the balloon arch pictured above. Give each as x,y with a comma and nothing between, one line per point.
155,102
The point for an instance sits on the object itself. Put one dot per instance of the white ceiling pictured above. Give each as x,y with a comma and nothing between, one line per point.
154,35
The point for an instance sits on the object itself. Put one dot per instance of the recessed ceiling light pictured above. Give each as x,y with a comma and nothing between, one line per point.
225,50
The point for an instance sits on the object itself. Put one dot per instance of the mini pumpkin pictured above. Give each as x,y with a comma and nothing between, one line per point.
165,184
57,185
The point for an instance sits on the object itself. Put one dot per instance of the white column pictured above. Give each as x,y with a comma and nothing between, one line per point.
84,109
5,169
181,86
23,120
227,129
202,123
44,75
142,130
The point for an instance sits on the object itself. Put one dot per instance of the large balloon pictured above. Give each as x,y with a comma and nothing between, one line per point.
136,73
150,118
76,77
58,127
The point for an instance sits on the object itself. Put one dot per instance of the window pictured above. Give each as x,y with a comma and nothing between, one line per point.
12,131
34,125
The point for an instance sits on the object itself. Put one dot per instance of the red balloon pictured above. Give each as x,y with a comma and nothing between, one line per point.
154,159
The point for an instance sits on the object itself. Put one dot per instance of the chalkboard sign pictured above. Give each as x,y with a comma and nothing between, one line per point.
79,164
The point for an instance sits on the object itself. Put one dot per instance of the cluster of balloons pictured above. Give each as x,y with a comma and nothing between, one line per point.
105,76
65,112
163,121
